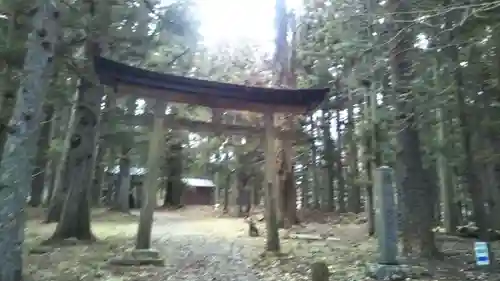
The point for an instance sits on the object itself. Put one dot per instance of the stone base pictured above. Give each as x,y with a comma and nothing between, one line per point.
397,272
386,272
139,257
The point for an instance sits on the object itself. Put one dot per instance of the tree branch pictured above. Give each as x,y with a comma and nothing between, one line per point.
170,63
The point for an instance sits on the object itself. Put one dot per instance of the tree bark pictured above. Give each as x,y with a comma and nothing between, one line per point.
353,199
80,159
39,172
418,214
328,165
15,167
98,178
53,165
314,154
10,82
75,215
125,178
174,186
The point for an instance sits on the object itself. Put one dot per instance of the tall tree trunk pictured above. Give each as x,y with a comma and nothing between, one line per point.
174,186
124,177
416,189
492,133
473,184
75,214
290,178
353,200
285,76
62,178
80,161
305,185
372,140
328,153
373,153
39,172
58,121
314,154
103,149
289,187
10,81
447,189
15,166
98,178
227,185
339,163
369,166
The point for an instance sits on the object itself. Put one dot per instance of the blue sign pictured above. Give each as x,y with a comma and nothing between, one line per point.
481,253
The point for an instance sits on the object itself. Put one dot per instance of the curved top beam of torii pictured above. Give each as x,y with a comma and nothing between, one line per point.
172,88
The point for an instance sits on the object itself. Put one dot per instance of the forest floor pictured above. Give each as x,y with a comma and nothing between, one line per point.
198,245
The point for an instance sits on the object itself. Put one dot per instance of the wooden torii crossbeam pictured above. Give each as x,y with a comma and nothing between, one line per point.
164,88
128,80
177,123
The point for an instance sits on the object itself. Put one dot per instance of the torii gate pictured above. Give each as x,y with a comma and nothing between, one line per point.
128,80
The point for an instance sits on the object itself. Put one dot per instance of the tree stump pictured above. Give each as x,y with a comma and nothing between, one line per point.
319,272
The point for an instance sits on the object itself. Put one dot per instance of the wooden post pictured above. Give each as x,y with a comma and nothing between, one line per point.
150,185
272,239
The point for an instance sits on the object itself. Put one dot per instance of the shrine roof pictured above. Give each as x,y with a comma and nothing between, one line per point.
176,88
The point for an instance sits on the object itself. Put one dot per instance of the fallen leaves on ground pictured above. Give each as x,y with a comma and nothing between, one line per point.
345,257
74,260
348,256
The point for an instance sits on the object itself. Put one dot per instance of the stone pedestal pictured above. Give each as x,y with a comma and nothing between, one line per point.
395,272
386,272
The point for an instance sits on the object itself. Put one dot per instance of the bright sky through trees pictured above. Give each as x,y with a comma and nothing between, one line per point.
234,21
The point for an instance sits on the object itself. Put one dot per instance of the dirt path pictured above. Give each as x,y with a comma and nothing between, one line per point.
204,249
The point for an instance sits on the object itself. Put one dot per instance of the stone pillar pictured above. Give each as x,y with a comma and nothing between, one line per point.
386,216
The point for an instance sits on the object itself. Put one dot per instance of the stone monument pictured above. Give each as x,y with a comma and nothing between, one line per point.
386,227
386,223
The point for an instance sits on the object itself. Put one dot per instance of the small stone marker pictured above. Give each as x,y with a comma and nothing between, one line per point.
319,272
386,216
481,253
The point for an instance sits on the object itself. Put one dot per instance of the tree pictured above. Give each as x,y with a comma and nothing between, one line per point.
15,167
415,190
75,216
